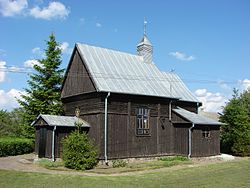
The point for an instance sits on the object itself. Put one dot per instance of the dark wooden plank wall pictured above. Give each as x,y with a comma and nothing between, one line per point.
48,153
77,78
87,106
190,106
95,130
117,136
181,139
61,133
122,140
205,146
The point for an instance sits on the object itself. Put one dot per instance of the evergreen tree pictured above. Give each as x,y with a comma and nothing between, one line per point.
43,94
235,137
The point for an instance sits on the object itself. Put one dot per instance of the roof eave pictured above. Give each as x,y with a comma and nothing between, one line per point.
106,91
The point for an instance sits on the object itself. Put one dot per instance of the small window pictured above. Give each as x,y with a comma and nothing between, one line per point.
142,122
206,132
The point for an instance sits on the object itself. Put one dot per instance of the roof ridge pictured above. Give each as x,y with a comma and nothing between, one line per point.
110,49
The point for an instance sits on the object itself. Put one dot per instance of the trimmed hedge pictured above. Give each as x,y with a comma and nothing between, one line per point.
10,146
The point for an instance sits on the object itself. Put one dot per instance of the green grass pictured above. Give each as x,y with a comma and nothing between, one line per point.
174,158
121,166
161,163
46,163
226,174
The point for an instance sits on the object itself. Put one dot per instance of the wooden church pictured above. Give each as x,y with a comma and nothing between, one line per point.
133,109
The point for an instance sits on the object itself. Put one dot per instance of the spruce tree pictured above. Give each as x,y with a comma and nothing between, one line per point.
43,94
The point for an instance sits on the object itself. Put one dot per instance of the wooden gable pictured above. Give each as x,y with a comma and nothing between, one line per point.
40,122
77,79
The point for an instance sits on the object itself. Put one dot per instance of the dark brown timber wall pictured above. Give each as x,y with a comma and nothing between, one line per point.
202,146
122,139
45,143
77,80
60,133
181,139
164,138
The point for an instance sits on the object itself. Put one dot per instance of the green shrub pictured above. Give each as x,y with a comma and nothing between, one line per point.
78,152
119,163
15,146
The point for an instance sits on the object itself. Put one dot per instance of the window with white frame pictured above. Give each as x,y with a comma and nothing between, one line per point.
142,121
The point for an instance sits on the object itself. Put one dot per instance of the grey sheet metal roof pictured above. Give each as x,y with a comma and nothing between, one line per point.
196,118
65,121
119,72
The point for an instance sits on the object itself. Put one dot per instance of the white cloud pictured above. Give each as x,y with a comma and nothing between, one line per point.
245,84
211,102
200,92
182,56
53,11
30,63
65,48
37,51
15,69
12,7
98,24
8,100
2,71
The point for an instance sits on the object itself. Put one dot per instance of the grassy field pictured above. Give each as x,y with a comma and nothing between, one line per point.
227,174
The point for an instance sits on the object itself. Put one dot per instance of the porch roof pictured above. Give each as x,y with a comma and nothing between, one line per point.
63,121
195,118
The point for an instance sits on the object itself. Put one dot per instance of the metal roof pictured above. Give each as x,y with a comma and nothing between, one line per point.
119,72
65,121
196,118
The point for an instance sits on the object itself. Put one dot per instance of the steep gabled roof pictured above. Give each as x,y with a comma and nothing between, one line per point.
119,72
196,118
64,121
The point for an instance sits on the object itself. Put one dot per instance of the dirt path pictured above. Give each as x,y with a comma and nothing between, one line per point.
25,163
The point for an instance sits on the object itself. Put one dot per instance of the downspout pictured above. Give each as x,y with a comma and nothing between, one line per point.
190,140
106,129
170,111
53,144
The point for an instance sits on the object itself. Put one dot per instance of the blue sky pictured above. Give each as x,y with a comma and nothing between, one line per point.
207,43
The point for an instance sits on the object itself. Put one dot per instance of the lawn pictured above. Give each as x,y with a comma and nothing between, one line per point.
226,174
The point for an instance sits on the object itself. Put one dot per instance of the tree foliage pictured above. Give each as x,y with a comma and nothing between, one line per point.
235,135
4,122
79,152
12,124
43,94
